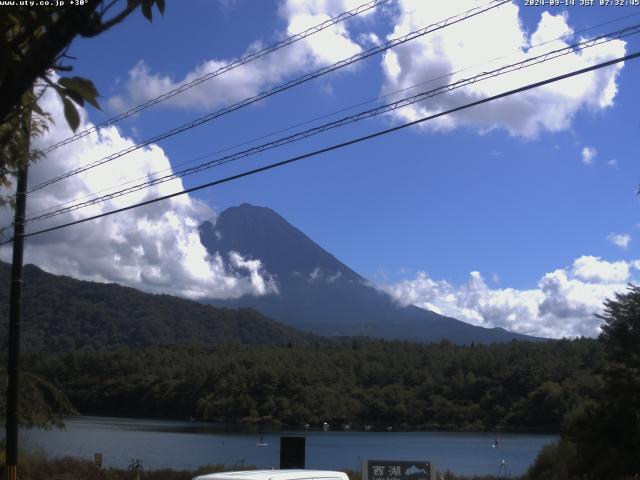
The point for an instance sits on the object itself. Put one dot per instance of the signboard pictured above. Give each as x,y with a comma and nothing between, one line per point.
397,470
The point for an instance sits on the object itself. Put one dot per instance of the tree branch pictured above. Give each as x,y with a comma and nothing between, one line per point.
39,55
106,8
104,26
43,52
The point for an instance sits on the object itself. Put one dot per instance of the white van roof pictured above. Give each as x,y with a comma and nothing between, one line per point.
275,475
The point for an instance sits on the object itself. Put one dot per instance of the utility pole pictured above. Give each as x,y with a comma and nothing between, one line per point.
15,307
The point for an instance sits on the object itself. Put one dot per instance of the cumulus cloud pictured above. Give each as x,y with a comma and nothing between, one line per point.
595,270
619,239
155,248
588,154
563,304
326,47
456,48
261,286
459,46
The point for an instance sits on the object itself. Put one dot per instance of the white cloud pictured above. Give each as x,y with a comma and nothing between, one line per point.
369,39
317,275
326,47
334,277
619,239
261,286
588,154
613,163
564,303
155,248
329,45
459,46
314,275
596,270
454,48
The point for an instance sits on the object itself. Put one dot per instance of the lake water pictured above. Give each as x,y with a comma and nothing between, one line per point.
187,445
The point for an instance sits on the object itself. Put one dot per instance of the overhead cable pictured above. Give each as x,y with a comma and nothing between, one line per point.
339,145
336,112
389,107
280,88
226,68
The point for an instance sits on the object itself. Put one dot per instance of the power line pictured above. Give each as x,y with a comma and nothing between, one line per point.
254,56
237,63
529,62
202,157
285,86
321,117
339,145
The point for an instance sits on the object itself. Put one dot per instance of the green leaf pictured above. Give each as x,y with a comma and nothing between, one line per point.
71,114
83,88
146,9
38,110
160,4
74,96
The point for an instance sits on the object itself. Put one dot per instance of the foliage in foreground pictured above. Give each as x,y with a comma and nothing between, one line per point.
601,437
68,468
34,41
41,403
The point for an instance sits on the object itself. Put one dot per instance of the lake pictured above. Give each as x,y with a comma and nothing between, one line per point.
187,445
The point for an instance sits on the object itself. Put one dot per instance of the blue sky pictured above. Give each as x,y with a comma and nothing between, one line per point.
511,195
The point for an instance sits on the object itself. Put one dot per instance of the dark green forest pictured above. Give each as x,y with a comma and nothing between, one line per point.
63,314
516,386
108,350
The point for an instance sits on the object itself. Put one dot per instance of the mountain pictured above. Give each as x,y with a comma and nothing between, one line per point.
63,314
320,294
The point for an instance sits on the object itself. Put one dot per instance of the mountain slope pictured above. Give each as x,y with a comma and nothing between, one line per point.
64,314
320,294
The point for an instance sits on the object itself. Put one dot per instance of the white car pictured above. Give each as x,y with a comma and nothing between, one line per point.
276,475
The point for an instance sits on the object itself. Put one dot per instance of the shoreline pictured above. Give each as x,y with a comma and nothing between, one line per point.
253,427
163,443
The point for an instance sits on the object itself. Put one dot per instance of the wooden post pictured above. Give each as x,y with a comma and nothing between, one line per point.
15,310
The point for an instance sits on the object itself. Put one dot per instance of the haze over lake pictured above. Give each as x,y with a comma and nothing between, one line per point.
187,445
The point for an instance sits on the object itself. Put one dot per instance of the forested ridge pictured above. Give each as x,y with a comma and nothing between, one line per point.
135,354
64,314
515,386
113,350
